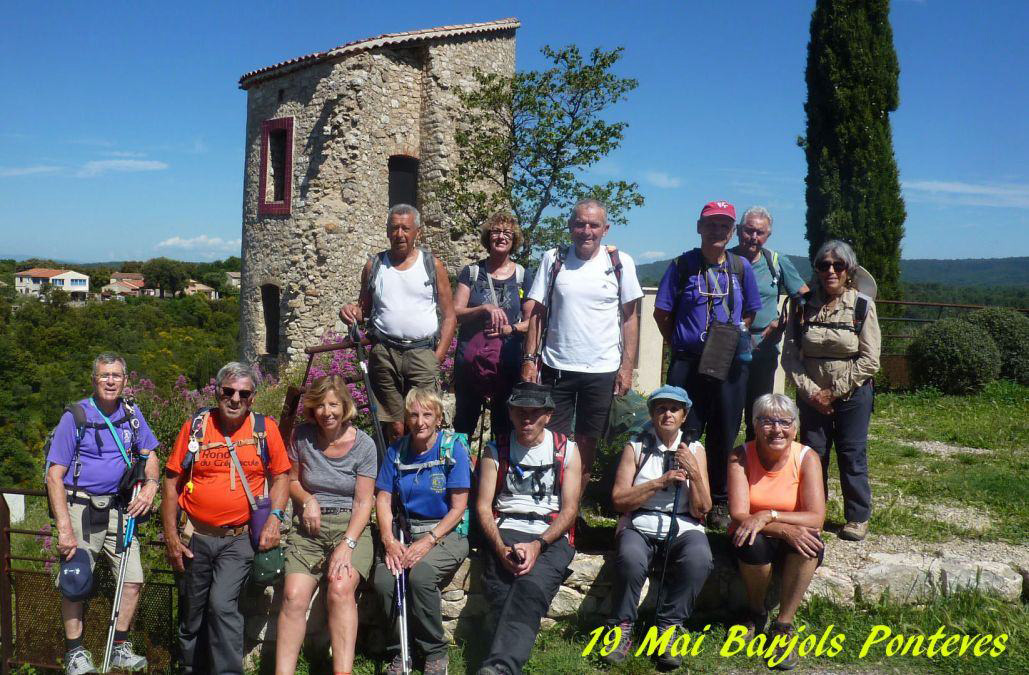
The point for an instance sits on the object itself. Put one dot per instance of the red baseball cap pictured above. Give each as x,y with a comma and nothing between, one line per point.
719,208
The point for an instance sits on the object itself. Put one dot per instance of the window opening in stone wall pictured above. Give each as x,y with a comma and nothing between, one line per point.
282,93
403,180
275,185
270,305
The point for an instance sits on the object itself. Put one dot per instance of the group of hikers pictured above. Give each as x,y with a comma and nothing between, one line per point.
547,354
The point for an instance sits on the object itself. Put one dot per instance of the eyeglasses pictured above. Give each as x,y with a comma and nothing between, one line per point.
229,392
770,422
114,377
837,265
506,234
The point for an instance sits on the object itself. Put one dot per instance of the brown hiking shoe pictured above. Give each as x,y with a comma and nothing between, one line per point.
854,531
755,623
785,630
621,652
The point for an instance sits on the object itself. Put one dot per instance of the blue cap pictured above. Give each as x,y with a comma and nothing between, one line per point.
667,392
75,577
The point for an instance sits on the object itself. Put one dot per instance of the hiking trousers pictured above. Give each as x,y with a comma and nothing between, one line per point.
519,603
717,410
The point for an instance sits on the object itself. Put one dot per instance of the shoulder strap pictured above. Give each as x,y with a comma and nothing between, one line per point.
647,445
519,275
429,260
377,260
560,253
261,436
860,312
772,260
503,445
560,445
683,270
473,274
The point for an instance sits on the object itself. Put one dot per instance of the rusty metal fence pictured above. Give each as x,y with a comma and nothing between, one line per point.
31,630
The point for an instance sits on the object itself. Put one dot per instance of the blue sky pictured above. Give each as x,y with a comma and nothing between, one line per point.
124,125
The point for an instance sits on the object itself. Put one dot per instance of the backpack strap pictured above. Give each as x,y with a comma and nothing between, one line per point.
860,312
772,260
78,415
560,253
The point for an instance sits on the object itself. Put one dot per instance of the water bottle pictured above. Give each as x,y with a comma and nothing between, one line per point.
743,352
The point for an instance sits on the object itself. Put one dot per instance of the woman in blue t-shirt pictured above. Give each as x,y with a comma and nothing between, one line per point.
424,480
488,304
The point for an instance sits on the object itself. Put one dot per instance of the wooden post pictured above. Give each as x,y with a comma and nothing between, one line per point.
6,607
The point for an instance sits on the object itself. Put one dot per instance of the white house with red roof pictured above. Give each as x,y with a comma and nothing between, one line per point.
33,281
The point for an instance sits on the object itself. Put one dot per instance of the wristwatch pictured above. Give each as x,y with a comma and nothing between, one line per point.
775,515
350,542
280,514
542,541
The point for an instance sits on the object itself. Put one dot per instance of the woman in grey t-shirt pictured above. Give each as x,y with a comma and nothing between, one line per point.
331,484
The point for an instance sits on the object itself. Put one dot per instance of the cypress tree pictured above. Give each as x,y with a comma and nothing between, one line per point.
853,186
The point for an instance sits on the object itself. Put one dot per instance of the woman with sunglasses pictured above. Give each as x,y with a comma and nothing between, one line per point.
332,484
777,507
488,304
832,353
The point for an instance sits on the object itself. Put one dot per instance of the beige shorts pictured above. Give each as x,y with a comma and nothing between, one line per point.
307,554
393,372
96,535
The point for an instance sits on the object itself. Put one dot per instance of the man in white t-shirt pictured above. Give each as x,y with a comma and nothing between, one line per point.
527,503
406,297
583,327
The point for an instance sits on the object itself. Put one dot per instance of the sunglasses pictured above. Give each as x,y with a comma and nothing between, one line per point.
229,392
838,266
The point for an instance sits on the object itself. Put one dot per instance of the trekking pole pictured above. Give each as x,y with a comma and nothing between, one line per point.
401,592
362,361
673,527
123,564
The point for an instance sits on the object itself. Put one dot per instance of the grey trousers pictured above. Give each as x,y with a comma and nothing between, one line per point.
424,583
689,564
520,603
210,596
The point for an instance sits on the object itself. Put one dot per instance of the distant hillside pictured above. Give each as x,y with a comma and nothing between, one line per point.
973,272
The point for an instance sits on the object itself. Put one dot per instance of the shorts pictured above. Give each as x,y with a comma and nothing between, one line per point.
307,554
587,396
97,530
393,372
767,550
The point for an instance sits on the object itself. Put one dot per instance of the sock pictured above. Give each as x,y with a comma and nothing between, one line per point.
72,643
121,635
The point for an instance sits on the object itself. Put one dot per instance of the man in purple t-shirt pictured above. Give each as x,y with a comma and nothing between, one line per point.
82,482
718,286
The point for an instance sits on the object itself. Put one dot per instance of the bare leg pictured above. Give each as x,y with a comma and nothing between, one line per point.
756,578
292,624
129,600
394,430
342,606
796,576
587,446
71,613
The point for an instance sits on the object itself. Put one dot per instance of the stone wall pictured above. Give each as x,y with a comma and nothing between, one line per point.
350,116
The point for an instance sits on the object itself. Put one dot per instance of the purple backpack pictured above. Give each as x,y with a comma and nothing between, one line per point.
482,353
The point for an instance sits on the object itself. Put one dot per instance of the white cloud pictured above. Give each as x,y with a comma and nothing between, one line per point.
1005,195
27,170
202,243
98,167
661,179
652,255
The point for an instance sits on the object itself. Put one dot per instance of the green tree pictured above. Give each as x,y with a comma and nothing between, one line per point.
853,186
525,140
166,274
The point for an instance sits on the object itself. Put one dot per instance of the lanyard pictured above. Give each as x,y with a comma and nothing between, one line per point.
114,432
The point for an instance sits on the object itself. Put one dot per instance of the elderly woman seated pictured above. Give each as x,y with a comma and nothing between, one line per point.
777,506
661,473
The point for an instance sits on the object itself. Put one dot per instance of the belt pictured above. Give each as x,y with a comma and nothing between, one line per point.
85,499
216,531
334,510
420,526
427,342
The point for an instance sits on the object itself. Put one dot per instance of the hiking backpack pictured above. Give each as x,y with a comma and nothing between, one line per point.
78,413
429,262
445,458
484,354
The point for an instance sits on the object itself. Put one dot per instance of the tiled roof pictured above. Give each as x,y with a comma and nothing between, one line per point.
40,272
127,275
389,39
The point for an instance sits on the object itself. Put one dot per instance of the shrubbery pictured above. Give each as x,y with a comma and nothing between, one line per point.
955,356
1010,331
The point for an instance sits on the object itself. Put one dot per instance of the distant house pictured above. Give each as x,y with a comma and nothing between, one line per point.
234,279
126,276
33,281
194,287
123,288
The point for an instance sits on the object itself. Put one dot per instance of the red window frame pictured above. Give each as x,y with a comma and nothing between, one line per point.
264,206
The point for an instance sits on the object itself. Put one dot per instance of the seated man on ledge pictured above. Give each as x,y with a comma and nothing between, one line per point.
528,500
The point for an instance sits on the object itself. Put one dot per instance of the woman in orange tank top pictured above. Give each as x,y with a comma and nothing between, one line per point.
777,506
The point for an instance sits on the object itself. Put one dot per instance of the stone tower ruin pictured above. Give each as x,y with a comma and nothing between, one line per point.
333,139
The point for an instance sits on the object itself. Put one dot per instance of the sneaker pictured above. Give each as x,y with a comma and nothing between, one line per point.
718,518
123,658
396,667
666,661
78,661
854,531
755,623
786,630
619,653
437,666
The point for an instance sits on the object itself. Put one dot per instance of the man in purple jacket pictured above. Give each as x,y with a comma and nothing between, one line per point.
85,467
702,286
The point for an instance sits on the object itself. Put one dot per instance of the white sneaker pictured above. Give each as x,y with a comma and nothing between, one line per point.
123,658
78,661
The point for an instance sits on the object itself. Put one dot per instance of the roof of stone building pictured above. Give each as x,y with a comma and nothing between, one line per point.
406,39
40,272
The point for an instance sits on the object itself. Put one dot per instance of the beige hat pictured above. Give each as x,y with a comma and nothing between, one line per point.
864,282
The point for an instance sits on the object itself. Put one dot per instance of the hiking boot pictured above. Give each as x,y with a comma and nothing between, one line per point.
718,518
854,531
78,661
755,623
619,653
123,658
785,630
437,666
666,661
396,667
